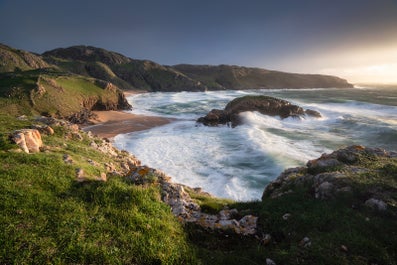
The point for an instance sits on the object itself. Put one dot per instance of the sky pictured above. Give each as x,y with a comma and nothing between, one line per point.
353,39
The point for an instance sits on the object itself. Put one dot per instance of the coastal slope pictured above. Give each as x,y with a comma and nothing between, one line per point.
150,76
234,77
77,200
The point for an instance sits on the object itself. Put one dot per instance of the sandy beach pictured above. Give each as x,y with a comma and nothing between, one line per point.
108,124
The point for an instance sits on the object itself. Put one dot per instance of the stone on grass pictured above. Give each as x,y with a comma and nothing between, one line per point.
29,140
376,204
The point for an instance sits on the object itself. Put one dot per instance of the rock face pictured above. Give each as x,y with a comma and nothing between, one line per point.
263,104
29,140
18,60
187,210
365,173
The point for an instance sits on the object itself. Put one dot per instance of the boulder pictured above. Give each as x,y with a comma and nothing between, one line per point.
355,171
264,104
29,140
376,204
187,210
45,129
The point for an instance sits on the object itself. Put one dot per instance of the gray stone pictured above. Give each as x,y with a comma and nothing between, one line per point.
270,262
376,204
324,191
305,242
286,216
67,159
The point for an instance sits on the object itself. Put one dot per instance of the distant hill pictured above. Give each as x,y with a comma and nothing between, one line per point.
125,72
50,83
237,77
31,86
17,60
128,73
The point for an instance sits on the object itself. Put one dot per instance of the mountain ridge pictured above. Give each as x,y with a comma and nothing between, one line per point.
132,74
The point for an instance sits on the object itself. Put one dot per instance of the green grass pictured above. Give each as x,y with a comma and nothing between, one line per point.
49,218
61,93
208,203
370,237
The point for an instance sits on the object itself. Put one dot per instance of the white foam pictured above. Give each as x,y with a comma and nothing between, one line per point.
237,163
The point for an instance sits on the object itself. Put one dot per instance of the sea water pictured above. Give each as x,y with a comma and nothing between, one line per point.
238,162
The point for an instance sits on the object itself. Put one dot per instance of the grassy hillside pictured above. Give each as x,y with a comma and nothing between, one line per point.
48,216
17,60
340,209
223,77
124,72
128,73
50,92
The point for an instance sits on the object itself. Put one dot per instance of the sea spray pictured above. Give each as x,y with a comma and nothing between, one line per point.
238,162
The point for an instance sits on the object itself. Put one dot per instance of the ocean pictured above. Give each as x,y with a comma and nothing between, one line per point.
239,162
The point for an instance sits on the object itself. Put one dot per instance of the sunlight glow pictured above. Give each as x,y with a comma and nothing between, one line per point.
380,73
376,65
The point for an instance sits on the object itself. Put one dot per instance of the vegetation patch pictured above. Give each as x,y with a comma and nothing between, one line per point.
49,217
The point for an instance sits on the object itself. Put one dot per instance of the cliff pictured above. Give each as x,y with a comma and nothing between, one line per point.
29,85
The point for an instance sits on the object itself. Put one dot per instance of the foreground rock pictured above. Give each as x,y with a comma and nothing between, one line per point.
29,140
367,174
188,210
123,164
263,104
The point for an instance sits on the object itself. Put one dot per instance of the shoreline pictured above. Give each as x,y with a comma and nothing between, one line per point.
109,123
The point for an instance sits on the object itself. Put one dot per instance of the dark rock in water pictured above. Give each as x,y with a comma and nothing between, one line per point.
215,117
263,104
313,113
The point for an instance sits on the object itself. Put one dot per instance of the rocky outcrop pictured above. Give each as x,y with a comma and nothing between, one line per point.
264,104
29,140
17,60
361,172
188,210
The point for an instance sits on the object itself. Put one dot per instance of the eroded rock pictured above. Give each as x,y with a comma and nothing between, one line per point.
187,210
29,140
376,204
264,104
348,171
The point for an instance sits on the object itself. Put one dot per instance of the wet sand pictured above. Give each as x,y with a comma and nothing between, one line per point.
108,124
